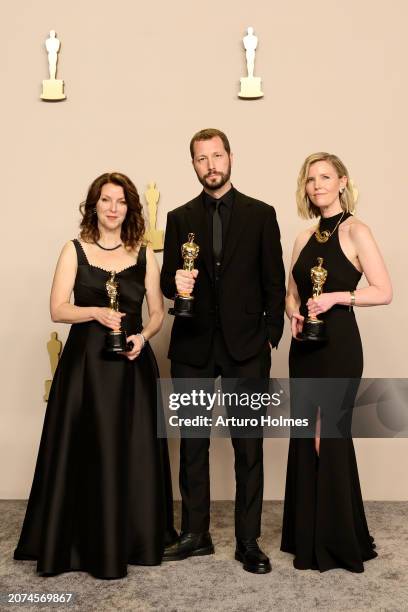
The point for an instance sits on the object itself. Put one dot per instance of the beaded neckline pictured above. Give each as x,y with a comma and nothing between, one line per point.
104,269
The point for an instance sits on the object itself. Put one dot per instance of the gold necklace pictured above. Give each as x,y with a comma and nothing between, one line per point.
325,235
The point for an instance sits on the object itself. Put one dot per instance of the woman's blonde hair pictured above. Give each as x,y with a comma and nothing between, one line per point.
306,208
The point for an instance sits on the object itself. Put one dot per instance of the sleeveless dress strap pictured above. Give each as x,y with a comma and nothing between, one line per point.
141,257
82,260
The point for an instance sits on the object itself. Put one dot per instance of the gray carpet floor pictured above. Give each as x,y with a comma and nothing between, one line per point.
217,582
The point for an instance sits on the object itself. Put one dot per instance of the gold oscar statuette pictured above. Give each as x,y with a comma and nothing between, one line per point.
54,348
184,302
250,85
153,236
52,88
115,341
314,328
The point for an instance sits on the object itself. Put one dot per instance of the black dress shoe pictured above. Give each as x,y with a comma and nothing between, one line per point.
189,545
252,557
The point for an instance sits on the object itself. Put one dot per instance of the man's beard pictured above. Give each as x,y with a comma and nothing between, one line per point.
213,185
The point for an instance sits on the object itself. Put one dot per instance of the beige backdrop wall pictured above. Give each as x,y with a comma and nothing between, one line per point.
141,78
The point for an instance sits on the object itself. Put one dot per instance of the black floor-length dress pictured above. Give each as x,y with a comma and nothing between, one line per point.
324,523
101,496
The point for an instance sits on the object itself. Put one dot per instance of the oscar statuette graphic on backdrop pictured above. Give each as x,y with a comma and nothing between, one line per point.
250,85
52,88
153,235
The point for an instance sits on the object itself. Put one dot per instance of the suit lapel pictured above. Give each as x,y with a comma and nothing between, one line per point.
238,222
198,223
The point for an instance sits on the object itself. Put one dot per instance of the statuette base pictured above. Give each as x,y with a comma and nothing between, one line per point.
53,90
115,342
250,88
313,331
183,306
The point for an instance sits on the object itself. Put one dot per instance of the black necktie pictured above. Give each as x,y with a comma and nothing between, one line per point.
217,231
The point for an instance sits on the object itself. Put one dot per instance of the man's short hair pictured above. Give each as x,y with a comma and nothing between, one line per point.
207,134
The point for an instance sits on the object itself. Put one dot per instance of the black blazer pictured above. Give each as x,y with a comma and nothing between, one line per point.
252,281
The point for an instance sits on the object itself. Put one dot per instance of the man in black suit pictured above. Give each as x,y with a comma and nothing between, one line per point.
239,291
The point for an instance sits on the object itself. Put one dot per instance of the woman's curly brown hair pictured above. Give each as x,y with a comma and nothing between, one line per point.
133,226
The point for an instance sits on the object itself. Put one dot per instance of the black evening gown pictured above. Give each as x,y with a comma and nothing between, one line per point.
101,496
324,524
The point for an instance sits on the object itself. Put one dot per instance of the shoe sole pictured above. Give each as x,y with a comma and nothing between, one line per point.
251,568
199,552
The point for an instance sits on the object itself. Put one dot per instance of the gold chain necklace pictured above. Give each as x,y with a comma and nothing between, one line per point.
325,235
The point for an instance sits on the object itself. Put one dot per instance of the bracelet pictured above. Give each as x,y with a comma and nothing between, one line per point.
352,299
143,339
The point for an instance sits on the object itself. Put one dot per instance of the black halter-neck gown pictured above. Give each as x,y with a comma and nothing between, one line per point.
324,523
101,496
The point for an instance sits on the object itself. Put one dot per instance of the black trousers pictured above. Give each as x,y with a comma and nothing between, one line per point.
194,476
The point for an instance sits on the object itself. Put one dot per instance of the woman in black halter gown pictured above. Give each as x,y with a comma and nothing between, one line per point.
101,496
324,524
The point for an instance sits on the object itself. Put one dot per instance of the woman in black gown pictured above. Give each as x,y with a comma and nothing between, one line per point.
324,523
101,496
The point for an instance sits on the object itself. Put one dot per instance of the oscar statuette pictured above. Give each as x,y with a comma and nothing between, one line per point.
314,328
184,302
250,85
153,235
54,348
53,88
115,341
